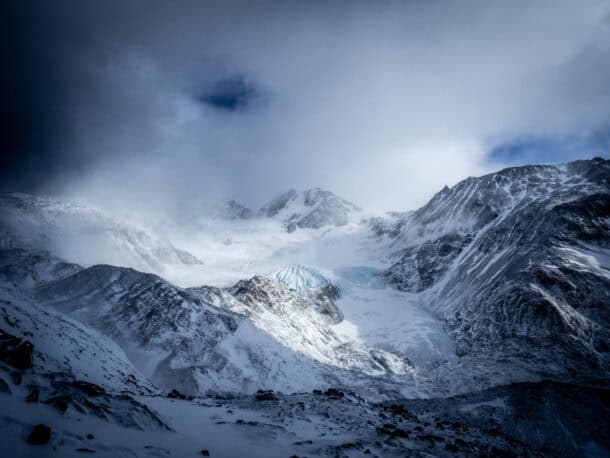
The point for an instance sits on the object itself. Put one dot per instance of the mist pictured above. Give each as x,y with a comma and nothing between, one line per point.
165,107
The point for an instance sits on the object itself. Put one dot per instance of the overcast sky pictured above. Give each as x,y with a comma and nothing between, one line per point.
162,104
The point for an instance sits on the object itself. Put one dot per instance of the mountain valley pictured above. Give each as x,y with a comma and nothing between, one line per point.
476,325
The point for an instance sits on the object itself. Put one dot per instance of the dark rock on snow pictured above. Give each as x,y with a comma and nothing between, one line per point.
15,351
40,434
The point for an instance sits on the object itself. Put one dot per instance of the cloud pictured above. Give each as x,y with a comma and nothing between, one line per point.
137,104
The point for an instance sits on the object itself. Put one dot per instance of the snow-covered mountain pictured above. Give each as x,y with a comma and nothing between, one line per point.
83,234
175,338
500,279
313,208
516,260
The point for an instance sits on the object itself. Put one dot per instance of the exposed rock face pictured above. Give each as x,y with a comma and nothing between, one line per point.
265,395
521,419
517,263
519,254
314,208
421,266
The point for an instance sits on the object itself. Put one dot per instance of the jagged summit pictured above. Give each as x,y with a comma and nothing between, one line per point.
313,208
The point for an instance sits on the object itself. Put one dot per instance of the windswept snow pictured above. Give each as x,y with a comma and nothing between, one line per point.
84,235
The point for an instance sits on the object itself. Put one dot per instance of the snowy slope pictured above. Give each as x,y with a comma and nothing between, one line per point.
65,348
175,338
83,234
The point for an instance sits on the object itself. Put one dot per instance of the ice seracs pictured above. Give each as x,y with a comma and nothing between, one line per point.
300,278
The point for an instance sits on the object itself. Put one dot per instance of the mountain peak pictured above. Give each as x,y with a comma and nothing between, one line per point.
312,208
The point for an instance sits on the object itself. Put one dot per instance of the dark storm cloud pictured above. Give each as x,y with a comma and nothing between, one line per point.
29,87
159,103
